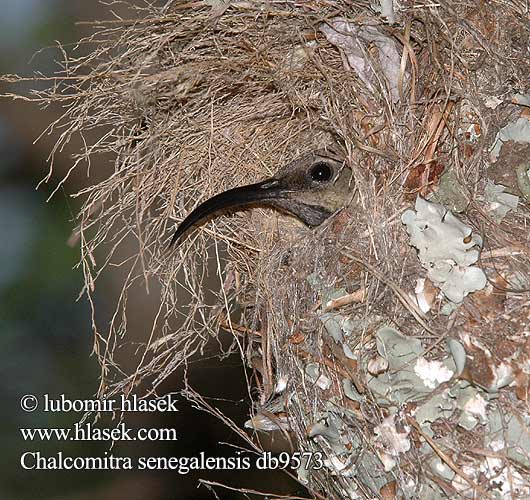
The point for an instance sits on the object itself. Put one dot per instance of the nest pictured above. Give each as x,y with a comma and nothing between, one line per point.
194,98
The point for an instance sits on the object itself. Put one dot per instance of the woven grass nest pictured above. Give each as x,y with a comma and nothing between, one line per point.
355,351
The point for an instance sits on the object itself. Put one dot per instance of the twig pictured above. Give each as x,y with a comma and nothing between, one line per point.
357,296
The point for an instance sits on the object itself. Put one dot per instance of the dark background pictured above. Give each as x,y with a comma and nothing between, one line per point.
45,333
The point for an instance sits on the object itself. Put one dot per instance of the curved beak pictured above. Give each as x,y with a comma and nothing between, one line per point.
236,198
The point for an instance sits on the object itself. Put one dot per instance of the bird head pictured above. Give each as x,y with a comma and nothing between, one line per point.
310,188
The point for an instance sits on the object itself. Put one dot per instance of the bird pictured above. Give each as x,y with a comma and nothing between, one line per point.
310,188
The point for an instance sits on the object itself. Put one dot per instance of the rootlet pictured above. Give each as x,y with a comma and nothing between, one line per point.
130,404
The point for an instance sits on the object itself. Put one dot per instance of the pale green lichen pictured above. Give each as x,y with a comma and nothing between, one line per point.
517,131
401,383
523,179
447,248
500,203
450,192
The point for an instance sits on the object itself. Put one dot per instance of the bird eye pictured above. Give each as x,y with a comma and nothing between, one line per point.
321,172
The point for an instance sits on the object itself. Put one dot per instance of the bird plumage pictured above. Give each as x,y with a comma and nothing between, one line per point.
310,188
